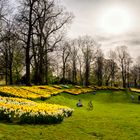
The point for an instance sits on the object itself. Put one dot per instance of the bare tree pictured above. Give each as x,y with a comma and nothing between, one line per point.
135,73
112,66
99,67
27,20
65,55
10,47
88,50
42,24
124,60
73,57
51,21
106,71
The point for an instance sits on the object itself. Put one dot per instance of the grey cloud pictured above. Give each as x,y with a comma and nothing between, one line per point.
102,38
135,42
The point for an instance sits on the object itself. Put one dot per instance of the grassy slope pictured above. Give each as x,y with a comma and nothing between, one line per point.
114,117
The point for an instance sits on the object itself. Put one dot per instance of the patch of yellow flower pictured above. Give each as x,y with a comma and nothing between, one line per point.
18,92
34,92
135,89
78,90
51,90
26,111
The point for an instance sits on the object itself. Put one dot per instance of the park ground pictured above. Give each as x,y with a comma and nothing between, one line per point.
114,117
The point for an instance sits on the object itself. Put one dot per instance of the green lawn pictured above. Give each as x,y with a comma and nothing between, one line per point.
114,117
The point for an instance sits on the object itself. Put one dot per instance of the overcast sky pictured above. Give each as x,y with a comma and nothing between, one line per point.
109,22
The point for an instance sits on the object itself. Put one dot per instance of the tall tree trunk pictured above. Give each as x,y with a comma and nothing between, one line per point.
74,79
81,76
87,74
41,59
41,70
28,82
10,66
6,75
36,69
124,82
135,83
10,74
36,75
64,73
47,68
107,81
128,78
6,68
123,75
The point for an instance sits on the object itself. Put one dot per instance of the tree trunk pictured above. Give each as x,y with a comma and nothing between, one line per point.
64,73
74,79
87,74
11,74
28,82
6,68
135,83
6,75
47,66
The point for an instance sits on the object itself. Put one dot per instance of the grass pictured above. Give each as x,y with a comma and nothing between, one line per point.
113,117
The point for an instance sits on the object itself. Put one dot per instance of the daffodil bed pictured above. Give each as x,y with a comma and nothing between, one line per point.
135,90
44,92
82,90
106,88
35,92
77,91
26,111
90,89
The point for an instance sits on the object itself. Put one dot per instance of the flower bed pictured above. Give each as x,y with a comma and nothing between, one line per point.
44,92
51,90
34,92
90,89
18,92
135,90
77,91
25,111
106,88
